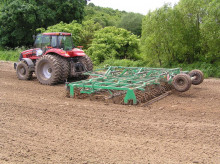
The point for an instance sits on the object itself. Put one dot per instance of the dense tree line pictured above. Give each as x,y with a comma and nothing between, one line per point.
131,22
110,17
186,33
19,19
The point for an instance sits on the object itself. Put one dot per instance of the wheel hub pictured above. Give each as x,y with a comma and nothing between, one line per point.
22,71
181,82
50,70
46,70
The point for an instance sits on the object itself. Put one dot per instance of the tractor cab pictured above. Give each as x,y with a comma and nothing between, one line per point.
59,40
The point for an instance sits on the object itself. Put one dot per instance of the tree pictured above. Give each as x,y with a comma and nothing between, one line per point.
162,35
20,18
103,16
113,43
210,31
88,31
186,33
131,22
193,12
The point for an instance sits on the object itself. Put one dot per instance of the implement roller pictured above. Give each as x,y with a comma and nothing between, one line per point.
132,85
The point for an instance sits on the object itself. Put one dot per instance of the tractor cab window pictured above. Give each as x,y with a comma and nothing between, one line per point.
45,41
42,41
38,41
61,41
54,42
66,42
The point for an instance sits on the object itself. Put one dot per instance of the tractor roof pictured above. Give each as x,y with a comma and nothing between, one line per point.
57,33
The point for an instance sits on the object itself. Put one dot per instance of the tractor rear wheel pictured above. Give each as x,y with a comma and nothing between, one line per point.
48,69
182,82
23,72
199,76
87,63
65,69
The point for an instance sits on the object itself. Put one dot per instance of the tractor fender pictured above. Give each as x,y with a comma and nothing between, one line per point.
76,52
57,51
29,63
72,53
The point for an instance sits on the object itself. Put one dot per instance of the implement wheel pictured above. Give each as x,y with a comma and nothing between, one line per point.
48,70
182,82
199,76
23,72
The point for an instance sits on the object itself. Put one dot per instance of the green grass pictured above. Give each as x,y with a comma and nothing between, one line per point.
10,55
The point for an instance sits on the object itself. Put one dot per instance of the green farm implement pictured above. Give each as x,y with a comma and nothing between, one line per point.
132,85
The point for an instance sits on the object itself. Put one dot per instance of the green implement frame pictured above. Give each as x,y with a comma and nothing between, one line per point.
123,79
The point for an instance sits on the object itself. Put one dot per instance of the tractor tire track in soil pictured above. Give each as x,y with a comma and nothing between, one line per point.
38,124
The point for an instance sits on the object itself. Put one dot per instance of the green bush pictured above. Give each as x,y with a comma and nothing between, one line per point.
113,43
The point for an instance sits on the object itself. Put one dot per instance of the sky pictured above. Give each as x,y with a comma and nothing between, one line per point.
137,6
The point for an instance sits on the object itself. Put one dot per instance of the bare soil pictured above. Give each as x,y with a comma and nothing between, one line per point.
38,124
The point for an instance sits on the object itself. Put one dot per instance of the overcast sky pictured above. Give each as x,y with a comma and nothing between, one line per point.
137,6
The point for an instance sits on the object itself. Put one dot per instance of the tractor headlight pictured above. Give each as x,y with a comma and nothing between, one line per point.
39,52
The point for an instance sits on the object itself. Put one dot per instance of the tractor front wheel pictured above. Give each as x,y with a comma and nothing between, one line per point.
23,72
48,69
182,82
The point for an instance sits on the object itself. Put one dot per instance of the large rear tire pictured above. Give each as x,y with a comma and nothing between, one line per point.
199,76
87,63
65,69
182,82
48,69
23,72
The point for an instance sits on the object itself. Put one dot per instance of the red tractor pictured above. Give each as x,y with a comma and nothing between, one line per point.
53,59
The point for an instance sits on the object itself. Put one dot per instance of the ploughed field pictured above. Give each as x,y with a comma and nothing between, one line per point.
38,124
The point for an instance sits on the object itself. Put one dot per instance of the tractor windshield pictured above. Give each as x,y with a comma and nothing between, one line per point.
55,41
42,41
65,42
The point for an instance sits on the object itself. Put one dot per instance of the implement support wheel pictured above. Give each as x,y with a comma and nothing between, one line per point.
199,76
182,82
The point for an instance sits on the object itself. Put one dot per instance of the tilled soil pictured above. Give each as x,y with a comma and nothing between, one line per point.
38,124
